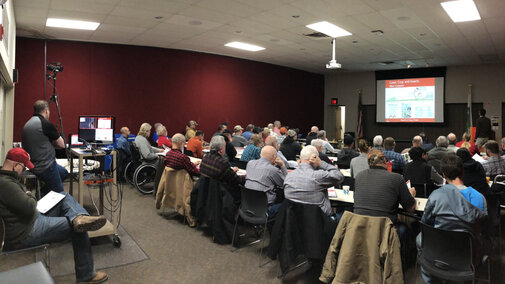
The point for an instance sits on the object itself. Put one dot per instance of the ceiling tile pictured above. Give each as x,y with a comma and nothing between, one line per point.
170,7
229,7
32,4
76,15
113,36
190,22
83,6
131,22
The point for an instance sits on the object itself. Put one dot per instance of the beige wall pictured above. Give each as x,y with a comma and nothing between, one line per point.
488,87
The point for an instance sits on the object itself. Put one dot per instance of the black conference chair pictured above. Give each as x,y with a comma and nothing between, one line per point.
253,210
241,164
421,189
447,255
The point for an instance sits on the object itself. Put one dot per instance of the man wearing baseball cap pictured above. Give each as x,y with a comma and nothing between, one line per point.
238,140
191,129
25,226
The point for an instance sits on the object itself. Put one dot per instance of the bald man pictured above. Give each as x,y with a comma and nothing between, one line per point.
451,139
267,174
417,141
312,135
122,141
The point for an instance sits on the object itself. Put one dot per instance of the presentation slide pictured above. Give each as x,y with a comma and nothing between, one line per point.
410,100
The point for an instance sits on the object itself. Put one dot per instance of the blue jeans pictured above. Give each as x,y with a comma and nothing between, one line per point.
56,226
53,177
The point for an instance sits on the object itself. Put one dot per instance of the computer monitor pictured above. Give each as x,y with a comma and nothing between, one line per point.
97,128
74,141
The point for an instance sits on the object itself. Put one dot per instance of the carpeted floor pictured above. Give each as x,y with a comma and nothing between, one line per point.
179,254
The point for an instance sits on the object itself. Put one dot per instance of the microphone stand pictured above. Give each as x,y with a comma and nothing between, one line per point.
54,98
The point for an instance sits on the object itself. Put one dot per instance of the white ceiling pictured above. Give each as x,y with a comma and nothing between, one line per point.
416,30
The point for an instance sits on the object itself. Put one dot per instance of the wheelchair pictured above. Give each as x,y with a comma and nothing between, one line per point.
139,173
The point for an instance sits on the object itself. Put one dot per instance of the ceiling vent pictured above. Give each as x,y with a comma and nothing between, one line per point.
385,63
316,35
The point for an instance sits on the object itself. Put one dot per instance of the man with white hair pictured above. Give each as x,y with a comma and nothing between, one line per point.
312,135
451,139
214,165
309,183
327,148
377,142
191,129
277,127
318,143
175,158
417,141
436,154
267,174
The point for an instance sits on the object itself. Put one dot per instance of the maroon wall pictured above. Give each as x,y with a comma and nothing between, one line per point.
145,84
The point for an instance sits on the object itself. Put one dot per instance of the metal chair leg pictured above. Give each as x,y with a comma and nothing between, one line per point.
263,244
234,233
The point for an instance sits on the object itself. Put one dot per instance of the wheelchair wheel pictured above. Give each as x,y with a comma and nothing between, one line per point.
129,171
143,178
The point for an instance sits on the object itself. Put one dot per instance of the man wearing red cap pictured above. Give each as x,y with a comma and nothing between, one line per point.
25,226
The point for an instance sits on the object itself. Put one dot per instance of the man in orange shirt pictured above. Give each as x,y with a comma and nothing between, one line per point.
195,145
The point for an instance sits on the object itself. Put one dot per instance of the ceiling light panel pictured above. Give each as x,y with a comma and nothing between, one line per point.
72,24
461,10
328,29
244,46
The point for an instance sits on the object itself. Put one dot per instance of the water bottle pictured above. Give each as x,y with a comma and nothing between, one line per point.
390,166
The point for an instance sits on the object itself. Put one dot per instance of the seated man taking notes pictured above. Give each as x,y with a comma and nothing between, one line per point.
25,226
176,160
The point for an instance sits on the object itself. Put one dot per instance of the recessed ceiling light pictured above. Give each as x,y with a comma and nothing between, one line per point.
244,46
328,29
461,10
403,18
158,17
72,24
296,16
195,23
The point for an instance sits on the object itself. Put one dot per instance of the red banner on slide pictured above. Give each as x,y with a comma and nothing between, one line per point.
410,119
412,82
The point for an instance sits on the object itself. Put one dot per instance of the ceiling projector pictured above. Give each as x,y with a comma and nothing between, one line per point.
333,62
333,65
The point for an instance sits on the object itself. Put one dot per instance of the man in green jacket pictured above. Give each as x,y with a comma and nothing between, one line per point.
25,226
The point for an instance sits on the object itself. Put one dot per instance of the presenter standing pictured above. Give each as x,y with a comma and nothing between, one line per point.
483,129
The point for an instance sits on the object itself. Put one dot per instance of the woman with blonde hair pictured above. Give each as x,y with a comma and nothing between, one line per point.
147,152
466,143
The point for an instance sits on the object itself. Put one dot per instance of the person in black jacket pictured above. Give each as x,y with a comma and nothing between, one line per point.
482,129
474,174
289,147
347,153
231,152
312,135
419,172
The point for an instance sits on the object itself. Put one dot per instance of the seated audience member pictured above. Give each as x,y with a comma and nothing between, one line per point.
495,164
25,226
176,159
345,155
360,163
395,158
147,152
378,193
248,132
195,144
238,140
191,129
502,153
253,150
312,135
453,206
231,152
436,154
309,183
289,147
474,173
282,136
451,139
272,141
220,129
122,141
155,135
426,144
277,128
417,141
419,172
377,143
318,143
257,130
215,166
466,143
327,148
163,140
266,132
267,174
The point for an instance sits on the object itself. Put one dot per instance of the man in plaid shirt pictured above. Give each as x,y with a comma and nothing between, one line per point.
176,160
215,166
495,164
